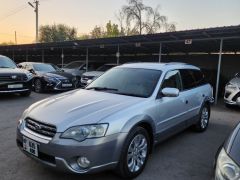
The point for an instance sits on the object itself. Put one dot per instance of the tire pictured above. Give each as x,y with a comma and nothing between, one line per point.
125,168
38,86
228,106
203,121
26,94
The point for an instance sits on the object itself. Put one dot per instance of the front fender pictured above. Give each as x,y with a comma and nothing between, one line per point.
137,120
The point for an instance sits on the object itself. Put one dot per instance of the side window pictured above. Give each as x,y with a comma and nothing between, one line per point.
91,67
188,79
199,78
84,67
172,80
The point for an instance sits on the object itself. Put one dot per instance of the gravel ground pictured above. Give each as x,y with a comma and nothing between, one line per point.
186,156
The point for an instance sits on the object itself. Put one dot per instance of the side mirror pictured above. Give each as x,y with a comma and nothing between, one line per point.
20,66
237,75
170,92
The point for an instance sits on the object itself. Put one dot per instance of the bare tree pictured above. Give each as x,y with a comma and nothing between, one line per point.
141,19
155,21
121,17
134,12
170,27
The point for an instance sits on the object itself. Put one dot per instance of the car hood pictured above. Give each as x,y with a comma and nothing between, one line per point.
79,107
235,81
12,71
93,73
56,74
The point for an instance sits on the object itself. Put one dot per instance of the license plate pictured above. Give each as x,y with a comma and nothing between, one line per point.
66,85
30,146
13,86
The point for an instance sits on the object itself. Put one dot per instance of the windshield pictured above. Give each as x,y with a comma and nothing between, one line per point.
127,81
74,65
6,62
105,67
44,67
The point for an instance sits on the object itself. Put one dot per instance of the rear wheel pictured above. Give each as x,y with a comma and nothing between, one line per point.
203,121
135,153
38,86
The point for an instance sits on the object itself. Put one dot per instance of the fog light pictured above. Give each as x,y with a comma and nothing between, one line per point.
83,162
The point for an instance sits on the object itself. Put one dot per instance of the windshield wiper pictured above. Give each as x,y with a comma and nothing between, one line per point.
4,67
131,94
102,89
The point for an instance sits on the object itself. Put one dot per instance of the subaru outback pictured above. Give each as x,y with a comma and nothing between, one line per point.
114,123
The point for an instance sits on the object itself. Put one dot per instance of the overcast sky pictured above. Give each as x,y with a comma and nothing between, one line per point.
85,14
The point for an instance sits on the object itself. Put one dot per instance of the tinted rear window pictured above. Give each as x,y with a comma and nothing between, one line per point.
192,78
199,78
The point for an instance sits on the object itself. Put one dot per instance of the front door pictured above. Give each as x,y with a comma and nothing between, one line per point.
171,110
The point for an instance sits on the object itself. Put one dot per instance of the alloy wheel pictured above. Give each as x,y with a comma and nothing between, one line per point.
204,117
137,153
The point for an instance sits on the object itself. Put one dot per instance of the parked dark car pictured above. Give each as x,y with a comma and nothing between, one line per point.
227,166
92,75
49,77
12,79
77,68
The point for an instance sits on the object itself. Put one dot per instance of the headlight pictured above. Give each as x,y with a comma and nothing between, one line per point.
29,76
226,169
20,121
231,86
81,133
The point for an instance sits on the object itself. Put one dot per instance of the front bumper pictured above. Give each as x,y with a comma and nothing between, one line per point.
232,97
62,154
57,86
26,86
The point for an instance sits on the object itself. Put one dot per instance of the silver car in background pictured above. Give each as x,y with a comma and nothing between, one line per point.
232,92
114,123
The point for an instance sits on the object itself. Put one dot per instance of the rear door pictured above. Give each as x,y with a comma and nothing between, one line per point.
191,93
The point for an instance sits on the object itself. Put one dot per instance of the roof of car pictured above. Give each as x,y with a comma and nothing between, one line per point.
109,64
34,63
160,66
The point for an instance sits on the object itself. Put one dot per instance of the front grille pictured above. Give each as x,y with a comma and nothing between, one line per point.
236,97
41,128
65,80
13,77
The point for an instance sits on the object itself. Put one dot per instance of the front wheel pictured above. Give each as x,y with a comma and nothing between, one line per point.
203,121
135,153
38,86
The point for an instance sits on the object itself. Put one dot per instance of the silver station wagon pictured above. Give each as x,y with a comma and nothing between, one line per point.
114,123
